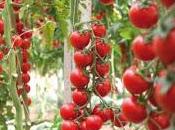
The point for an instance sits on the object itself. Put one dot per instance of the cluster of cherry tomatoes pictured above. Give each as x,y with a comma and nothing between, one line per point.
152,92
21,41
91,76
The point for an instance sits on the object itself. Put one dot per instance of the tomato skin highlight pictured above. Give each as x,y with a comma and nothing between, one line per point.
79,79
80,98
80,41
165,48
133,82
93,122
133,111
69,125
157,120
143,17
68,111
143,51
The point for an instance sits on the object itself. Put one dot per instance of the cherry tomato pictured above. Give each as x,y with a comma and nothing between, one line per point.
143,17
103,88
69,111
27,88
18,41
82,60
25,55
168,3
158,121
142,50
93,122
133,111
103,49
134,82
25,77
19,27
102,69
25,67
105,113
83,125
165,100
165,47
25,44
80,40
79,79
69,125
99,30
80,98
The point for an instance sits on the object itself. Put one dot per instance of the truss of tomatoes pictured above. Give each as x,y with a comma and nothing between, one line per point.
20,42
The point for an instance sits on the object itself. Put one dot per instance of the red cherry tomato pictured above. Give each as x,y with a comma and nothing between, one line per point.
168,3
133,111
25,44
80,98
80,40
103,49
143,51
25,67
17,41
25,77
143,17
69,111
165,100
102,69
27,88
93,122
158,121
79,79
165,47
83,126
99,30
69,125
134,82
82,60
103,88
105,113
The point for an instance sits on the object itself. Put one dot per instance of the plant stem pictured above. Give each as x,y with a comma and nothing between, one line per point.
7,16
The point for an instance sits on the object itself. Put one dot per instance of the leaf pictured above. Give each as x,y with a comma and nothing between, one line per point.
48,32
